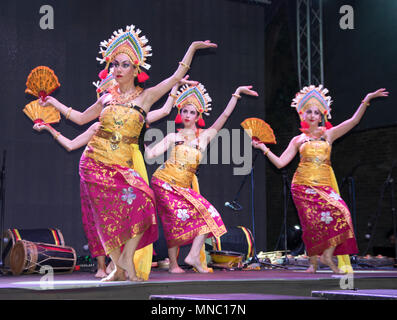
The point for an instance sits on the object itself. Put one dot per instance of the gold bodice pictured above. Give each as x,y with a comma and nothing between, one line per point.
118,135
181,166
314,168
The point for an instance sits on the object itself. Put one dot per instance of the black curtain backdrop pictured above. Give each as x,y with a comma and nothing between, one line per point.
42,187
361,60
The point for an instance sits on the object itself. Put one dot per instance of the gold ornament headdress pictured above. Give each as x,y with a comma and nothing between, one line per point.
130,43
313,96
196,96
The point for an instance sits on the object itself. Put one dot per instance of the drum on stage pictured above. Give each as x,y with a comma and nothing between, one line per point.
11,236
29,257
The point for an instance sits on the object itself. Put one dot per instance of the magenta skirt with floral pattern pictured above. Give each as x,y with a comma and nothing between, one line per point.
185,214
325,220
116,204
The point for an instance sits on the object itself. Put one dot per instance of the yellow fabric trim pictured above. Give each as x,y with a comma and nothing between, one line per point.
142,257
343,260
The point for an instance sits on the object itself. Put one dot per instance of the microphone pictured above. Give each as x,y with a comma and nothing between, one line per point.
234,205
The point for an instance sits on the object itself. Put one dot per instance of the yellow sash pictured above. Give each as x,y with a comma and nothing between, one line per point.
203,257
343,260
142,257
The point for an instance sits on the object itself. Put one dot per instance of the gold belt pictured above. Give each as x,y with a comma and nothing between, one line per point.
315,160
116,137
184,167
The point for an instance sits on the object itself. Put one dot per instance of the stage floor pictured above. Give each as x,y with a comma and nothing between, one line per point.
264,284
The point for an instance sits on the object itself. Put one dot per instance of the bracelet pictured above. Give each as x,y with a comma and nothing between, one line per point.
266,152
236,95
184,65
68,113
173,95
57,134
365,103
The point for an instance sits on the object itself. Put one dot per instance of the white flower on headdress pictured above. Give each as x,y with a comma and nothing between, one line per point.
128,195
213,211
166,186
310,191
326,217
182,214
335,196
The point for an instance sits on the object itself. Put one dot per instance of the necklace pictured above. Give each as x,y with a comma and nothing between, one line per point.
124,98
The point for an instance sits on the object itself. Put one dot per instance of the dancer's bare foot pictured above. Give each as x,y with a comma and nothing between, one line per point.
115,275
313,265
195,262
326,259
110,267
101,273
175,269
128,265
311,269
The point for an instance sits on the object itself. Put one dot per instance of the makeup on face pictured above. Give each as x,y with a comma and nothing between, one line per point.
312,115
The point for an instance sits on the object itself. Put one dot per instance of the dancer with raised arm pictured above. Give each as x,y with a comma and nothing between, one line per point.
187,217
113,179
325,218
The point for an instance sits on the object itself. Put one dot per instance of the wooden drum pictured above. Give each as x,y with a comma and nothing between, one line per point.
28,257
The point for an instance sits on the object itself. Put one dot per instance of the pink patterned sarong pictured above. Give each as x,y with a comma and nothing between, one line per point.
325,220
185,214
117,204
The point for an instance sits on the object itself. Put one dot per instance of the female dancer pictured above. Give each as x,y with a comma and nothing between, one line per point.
186,215
114,182
324,216
80,141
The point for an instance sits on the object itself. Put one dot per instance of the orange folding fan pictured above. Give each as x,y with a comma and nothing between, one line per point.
41,82
39,114
259,130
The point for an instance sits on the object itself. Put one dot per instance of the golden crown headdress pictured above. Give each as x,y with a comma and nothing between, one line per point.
313,96
130,43
196,96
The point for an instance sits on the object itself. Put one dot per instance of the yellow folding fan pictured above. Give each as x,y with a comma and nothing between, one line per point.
40,83
259,130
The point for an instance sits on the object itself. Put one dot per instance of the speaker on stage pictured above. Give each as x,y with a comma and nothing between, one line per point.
52,236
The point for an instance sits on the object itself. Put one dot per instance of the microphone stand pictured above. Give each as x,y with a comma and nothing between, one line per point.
2,208
285,205
352,201
254,259
389,182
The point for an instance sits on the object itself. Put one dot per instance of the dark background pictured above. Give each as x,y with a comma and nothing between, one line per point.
256,46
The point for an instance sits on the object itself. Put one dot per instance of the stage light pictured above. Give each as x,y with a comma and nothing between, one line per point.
296,227
367,236
85,247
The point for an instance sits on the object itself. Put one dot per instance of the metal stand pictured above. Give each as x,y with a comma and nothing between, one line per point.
237,207
2,208
388,184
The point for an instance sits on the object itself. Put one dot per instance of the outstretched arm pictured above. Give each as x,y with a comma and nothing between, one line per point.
68,144
211,132
165,110
161,147
77,117
341,129
285,158
155,93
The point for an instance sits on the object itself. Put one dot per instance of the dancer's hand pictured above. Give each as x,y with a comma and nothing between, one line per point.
40,127
188,82
378,93
246,90
48,101
259,145
203,44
